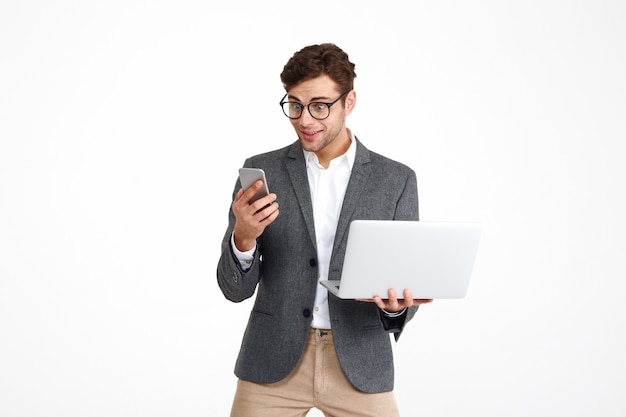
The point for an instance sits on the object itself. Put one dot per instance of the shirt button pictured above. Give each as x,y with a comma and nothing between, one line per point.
316,309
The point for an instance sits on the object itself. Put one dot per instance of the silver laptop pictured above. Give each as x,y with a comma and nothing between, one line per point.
432,259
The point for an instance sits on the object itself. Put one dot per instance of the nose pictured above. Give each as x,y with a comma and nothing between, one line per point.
306,118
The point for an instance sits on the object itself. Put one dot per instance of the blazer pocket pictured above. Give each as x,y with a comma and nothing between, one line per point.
260,313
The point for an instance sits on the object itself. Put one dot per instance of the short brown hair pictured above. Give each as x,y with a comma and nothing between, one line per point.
315,60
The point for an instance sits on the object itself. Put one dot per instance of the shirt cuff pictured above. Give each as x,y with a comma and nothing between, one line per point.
392,315
245,258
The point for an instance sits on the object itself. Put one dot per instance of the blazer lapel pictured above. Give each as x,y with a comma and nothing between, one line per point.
300,183
358,180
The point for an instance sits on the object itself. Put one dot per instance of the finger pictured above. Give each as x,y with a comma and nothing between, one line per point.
268,214
393,299
408,298
251,191
379,302
263,203
264,206
238,196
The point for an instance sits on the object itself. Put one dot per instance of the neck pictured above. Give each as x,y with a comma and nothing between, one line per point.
338,147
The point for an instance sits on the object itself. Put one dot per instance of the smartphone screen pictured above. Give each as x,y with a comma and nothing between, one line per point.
247,177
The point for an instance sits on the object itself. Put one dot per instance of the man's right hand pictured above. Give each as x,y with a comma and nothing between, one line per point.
252,218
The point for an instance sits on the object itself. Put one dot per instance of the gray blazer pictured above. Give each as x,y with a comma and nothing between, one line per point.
284,271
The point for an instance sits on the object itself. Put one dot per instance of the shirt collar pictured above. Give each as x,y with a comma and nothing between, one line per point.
349,156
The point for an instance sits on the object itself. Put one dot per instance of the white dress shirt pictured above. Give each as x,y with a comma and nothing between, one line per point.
328,188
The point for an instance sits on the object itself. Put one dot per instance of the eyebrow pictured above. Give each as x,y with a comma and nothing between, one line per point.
313,100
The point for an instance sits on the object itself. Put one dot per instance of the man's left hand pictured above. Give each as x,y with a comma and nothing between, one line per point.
393,304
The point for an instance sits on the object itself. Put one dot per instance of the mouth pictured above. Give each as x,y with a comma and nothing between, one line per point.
309,135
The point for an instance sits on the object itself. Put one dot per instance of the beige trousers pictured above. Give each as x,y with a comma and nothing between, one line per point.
317,381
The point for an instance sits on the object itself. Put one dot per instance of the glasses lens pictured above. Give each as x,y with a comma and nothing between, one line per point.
292,110
319,110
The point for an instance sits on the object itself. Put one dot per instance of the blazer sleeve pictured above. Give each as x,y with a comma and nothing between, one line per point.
236,284
395,325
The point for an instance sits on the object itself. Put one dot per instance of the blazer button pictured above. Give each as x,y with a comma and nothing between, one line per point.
306,312
312,262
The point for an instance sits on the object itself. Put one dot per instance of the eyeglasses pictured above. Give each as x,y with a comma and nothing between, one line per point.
318,110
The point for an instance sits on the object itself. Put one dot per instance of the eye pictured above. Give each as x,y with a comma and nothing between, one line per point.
296,106
318,106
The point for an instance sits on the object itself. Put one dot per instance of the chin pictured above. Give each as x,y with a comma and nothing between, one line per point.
309,146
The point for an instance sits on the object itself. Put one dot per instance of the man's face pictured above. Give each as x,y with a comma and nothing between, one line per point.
328,136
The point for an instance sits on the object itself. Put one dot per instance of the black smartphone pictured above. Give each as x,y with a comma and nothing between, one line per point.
248,176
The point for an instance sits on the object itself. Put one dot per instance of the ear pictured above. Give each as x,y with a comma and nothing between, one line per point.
350,101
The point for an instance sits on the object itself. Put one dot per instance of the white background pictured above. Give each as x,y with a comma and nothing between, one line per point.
123,123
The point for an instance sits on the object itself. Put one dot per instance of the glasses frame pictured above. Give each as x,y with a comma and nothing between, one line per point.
308,106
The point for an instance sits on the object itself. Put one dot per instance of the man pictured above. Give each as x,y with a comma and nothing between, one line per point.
304,348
